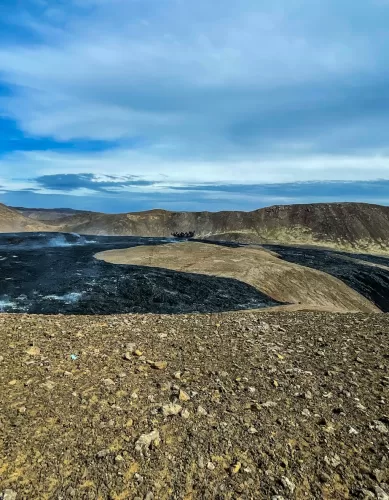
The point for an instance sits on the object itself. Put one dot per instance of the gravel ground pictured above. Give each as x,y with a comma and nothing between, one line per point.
213,406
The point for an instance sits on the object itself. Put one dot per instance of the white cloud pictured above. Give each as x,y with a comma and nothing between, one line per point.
221,91
121,70
181,173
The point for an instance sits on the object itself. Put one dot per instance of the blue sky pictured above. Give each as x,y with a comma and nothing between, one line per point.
120,105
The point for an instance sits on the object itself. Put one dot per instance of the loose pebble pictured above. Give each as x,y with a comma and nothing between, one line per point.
202,411
145,440
184,396
171,409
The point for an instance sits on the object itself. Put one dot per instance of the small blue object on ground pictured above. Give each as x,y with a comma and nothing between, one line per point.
73,357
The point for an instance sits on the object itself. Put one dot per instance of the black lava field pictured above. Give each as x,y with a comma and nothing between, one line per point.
56,273
52,273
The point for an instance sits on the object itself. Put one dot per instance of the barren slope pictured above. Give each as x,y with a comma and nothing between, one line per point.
347,226
283,281
47,215
350,226
11,221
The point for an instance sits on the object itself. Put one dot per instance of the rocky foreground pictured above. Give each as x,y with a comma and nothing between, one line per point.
240,406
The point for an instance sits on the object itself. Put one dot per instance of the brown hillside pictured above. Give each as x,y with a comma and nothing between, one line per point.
352,226
349,226
346,225
47,215
12,221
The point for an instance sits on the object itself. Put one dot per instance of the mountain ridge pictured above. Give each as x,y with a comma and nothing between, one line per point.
344,226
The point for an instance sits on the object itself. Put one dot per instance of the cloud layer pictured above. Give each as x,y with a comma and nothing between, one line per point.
172,94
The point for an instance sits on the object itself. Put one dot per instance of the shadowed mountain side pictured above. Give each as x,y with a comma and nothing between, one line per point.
12,221
348,226
367,274
282,281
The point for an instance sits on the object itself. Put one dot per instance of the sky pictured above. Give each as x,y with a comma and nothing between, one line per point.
126,105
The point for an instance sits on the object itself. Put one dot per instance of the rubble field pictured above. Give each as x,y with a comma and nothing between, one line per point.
264,405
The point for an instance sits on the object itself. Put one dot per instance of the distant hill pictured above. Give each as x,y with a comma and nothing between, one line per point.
348,226
12,221
46,214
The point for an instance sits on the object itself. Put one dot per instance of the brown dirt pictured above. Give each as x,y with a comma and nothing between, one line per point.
283,281
295,405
